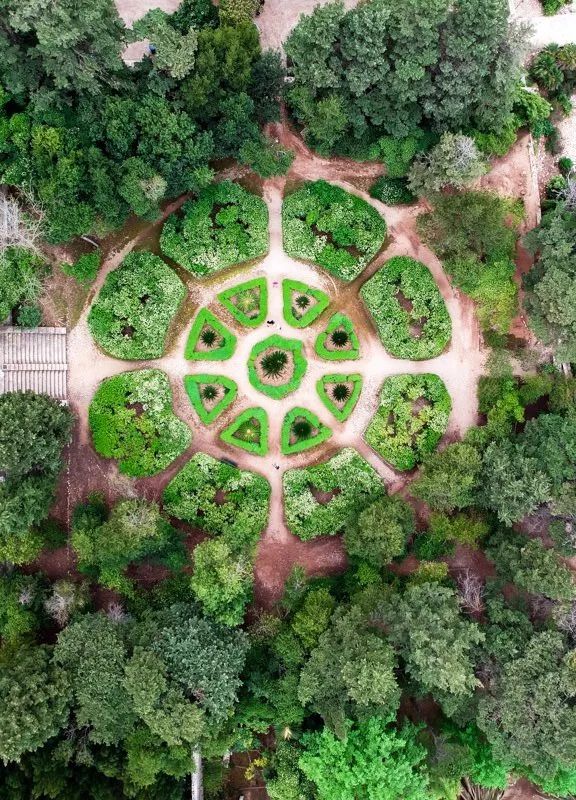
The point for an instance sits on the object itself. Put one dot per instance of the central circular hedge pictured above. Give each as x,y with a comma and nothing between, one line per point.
294,373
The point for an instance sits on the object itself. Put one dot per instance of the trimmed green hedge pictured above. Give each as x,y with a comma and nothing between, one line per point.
352,483
336,322
298,317
408,309
247,302
192,497
340,412
196,384
224,226
410,420
249,431
225,342
132,420
333,228
319,433
275,341
131,316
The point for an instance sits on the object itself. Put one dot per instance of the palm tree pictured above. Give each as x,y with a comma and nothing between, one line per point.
340,392
301,429
274,364
471,791
209,393
339,338
302,301
208,337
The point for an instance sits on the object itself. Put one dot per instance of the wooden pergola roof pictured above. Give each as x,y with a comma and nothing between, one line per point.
34,360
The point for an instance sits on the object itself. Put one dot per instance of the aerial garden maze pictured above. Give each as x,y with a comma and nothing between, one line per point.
244,373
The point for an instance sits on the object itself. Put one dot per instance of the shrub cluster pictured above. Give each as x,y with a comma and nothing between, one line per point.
21,273
302,430
132,314
322,499
85,269
408,309
338,342
333,228
410,420
209,339
392,191
249,431
301,303
224,226
132,420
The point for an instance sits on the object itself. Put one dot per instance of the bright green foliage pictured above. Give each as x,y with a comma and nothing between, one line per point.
249,431
321,500
209,339
426,573
225,226
333,345
222,581
210,404
132,420
399,153
527,714
21,272
20,597
458,529
233,12
454,162
373,760
435,641
301,303
297,436
267,158
175,51
339,394
449,479
247,302
191,496
284,779
132,314
34,695
474,234
552,69
392,191
411,418
350,673
86,268
279,376
29,316
380,532
333,228
408,309
24,503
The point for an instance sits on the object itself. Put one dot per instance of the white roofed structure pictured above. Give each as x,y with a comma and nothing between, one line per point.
34,360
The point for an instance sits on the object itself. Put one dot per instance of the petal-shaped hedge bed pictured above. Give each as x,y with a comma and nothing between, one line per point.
302,430
249,431
276,366
132,314
338,342
247,302
339,394
219,498
408,309
224,226
411,418
132,421
321,500
209,339
333,228
210,395
302,304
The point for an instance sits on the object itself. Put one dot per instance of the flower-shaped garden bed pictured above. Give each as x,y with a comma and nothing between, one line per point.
276,366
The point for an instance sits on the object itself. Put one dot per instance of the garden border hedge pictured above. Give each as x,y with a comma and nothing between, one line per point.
239,316
192,387
222,353
296,347
341,414
322,303
324,432
256,448
338,320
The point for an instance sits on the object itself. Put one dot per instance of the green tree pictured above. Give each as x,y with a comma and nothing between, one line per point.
20,278
175,51
450,478
380,532
20,602
233,12
455,161
222,580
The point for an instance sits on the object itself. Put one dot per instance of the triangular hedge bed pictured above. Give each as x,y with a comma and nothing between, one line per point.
318,302
235,433
237,301
226,344
318,434
338,322
196,385
341,410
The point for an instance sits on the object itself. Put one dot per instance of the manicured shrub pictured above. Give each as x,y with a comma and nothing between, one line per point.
339,394
276,366
410,420
247,302
408,309
29,316
302,304
551,7
320,500
220,499
334,229
209,339
302,430
132,420
224,226
210,395
249,431
392,191
131,315
85,269
338,342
